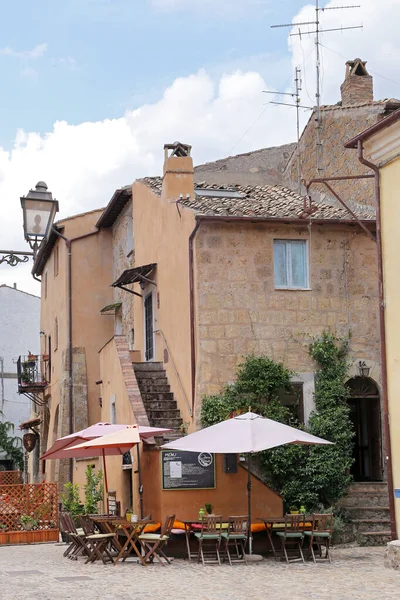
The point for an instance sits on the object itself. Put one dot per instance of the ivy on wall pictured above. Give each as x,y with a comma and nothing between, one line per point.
308,476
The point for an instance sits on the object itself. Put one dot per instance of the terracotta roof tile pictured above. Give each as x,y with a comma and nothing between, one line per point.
257,201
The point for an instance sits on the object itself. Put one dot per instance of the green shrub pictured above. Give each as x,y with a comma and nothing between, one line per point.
94,490
70,499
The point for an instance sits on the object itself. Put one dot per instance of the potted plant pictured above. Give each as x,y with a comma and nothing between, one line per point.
28,522
294,510
208,508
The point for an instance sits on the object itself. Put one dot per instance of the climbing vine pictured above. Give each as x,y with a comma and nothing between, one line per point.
303,475
11,444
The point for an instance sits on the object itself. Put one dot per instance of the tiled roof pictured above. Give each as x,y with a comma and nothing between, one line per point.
258,201
383,103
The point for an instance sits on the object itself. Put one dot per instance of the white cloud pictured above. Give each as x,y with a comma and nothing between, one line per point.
33,54
83,164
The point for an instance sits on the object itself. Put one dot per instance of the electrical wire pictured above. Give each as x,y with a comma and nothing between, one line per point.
247,130
372,72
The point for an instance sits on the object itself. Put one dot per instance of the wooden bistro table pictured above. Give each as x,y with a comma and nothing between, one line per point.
273,524
132,531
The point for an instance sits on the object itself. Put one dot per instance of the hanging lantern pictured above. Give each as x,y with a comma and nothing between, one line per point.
29,441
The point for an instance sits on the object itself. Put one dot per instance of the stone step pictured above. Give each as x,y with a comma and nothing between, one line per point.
158,414
148,366
155,388
366,525
159,405
154,376
373,488
173,423
151,396
367,512
152,380
355,500
375,538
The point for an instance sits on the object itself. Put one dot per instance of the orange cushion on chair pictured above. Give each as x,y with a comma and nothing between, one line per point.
256,527
179,525
152,528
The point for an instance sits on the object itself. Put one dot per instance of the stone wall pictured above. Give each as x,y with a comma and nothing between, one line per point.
338,125
123,258
240,312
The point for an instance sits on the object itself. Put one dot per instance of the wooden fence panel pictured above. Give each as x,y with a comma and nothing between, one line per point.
37,500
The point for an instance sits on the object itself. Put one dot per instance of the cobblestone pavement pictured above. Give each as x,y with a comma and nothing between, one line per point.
40,572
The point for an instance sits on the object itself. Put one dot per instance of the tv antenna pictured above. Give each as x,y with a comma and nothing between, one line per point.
297,106
317,33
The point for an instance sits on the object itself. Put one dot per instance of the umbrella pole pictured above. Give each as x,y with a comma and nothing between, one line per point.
140,482
249,503
106,482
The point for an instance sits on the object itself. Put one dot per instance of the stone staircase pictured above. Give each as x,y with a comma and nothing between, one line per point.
158,400
367,505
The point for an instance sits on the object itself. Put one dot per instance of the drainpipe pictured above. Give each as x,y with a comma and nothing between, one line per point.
191,308
68,243
385,402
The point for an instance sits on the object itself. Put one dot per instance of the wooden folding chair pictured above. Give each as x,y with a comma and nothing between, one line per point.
320,535
236,536
96,543
209,538
293,536
155,542
77,537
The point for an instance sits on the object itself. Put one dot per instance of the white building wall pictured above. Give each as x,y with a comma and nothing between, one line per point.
19,333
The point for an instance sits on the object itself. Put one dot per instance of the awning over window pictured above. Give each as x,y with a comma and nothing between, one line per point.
111,309
136,275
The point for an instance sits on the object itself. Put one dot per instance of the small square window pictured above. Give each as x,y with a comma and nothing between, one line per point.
291,264
113,409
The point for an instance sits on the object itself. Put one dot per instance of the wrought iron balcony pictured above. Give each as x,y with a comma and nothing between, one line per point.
32,371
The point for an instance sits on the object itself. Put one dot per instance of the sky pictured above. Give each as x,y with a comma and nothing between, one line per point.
92,89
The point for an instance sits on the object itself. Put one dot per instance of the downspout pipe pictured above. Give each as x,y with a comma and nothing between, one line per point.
385,401
192,313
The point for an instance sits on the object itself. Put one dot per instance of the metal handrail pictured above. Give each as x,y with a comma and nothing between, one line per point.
176,371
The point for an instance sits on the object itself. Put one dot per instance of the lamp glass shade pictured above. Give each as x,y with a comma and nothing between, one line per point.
38,217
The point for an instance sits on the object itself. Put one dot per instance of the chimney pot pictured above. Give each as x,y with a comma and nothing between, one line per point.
15,286
357,87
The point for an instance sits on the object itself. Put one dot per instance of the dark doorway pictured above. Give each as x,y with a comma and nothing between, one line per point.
149,327
365,415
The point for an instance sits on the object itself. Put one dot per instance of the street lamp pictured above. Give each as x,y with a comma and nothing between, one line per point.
39,210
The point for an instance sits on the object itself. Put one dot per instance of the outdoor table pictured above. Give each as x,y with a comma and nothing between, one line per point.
273,524
132,531
106,525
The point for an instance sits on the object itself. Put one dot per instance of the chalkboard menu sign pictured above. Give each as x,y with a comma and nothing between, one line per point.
187,470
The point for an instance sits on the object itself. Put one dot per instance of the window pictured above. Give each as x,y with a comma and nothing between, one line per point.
129,244
56,260
113,409
291,264
45,285
293,401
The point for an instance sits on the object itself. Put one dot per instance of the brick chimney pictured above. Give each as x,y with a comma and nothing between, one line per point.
178,171
357,87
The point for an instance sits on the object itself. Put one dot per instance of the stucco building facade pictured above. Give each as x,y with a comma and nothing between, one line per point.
19,332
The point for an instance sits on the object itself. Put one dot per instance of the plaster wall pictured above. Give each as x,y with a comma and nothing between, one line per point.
161,232
390,215
19,334
91,278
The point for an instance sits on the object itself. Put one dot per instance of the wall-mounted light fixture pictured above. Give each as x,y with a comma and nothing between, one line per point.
363,369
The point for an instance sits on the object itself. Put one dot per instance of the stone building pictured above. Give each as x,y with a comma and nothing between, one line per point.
19,332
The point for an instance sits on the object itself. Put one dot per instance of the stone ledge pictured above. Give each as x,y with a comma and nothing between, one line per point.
392,555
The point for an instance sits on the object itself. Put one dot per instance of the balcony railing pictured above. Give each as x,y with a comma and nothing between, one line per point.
32,372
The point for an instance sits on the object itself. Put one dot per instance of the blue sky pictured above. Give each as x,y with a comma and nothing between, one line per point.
102,57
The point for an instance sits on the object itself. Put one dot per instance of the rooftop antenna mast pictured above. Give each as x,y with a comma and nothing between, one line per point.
297,106
317,33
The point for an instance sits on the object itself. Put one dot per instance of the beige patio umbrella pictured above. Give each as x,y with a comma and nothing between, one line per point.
113,444
244,434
